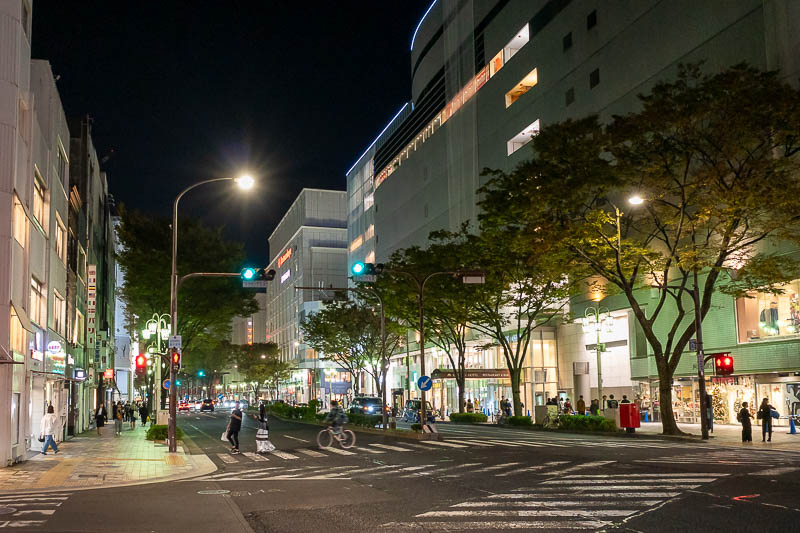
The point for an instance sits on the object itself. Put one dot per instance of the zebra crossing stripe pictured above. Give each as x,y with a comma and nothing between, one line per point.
310,453
412,468
622,488
283,455
446,444
12,499
473,443
440,470
389,447
532,513
494,525
501,443
524,443
620,494
338,451
254,456
579,467
555,503
227,458
536,468
577,483
19,524
45,512
368,450
495,467
656,476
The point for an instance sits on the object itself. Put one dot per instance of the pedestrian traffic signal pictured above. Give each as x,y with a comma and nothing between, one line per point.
723,364
141,364
176,360
366,269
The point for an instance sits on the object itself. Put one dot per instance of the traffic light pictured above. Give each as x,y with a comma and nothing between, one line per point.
257,274
723,364
201,373
141,364
366,269
266,275
249,274
176,360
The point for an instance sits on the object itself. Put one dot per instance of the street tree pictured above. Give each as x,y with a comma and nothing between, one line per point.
256,363
206,305
715,161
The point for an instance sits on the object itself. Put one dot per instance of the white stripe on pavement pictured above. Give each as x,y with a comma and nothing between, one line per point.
413,468
621,494
579,467
656,476
441,443
337,451
389,447
472,443
531,513
283,455
622,488
579,482
254,456
226,458
536,468
310,453
440,470
368,450
775,471
553,503
494,525
295,438
34,511
495,467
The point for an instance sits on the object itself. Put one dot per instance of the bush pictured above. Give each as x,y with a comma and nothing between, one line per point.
159,432
586,423
522,421
367,421
416,427
321,416
468,418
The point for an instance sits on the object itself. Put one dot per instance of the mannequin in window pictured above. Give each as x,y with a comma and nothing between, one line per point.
769,318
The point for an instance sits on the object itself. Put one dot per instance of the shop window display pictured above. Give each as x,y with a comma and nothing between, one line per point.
728,395
762,315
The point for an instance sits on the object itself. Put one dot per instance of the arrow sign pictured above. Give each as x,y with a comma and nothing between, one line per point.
425,383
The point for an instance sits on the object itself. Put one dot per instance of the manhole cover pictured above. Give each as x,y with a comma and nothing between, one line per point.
219,491
7,510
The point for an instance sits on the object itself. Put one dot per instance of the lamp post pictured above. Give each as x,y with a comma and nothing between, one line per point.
158,329
595,320
244,182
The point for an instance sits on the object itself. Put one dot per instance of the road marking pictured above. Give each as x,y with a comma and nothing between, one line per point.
554,503
440,470
536,468
579,467
31,499
226,458
283,455
254,456
532,513
388,447
368,450
495,467
35,511
373,470
295,438
494,525
311,453
579,482
412,468
438,443
521,443
656,476
18,524
775,471
621,488
502,443
473,443
560,495
338,451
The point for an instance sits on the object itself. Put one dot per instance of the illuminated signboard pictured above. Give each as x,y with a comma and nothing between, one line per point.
109,373
80,373
284,257
286,275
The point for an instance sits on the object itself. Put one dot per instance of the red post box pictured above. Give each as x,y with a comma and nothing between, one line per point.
629,415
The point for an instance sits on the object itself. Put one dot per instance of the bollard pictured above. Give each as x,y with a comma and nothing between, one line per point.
792,428
529,413
647,416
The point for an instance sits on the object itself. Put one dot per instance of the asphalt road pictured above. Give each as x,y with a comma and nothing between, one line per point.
480,479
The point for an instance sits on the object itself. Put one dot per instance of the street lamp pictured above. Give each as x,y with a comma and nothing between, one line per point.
597,320
244,182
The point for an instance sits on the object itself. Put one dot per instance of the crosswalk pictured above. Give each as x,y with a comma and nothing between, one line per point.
21,511
444,470
573,501
727,457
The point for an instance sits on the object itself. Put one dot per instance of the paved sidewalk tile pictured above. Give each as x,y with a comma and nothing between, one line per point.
92,461
730,435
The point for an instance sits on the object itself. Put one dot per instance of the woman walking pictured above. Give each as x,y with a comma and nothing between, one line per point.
118,414
100,418
765,415
744,417
143,412
51,426
133,416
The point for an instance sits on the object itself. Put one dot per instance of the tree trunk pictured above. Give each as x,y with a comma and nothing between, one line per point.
668,424
461,383
516,374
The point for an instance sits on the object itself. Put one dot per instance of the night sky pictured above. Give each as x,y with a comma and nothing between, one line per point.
185,91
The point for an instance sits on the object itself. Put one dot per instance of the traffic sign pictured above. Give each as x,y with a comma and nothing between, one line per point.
259,284
175,341
425,383
692,345
165,384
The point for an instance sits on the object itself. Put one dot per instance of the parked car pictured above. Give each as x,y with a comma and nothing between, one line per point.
412,411
366,405
208,405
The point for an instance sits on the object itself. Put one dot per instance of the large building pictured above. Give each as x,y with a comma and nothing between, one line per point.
486,75
308,248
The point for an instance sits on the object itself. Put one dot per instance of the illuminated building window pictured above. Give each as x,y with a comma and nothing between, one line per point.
370,257
370,232
17,333
59,313
522,138
356,244
763,315
369,200
515,44
38,200
522,87
61,240
496,63
37,301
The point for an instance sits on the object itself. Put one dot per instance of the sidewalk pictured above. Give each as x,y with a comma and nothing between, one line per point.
89,461
730,435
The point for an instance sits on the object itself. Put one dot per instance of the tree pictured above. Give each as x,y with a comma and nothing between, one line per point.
348,332
257,363
206,305
449,305
716,160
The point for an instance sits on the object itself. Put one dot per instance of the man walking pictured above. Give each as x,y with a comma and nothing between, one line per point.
143,413
234,426
581,406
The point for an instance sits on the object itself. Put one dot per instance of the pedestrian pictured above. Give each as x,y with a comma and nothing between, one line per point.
51,426
470,407
625,399
119,413
581,405
561,404
567,406
744,417
594,407
100,418
765,415
128,411
612,403
133,415
262,413
605,402
143,412
234,426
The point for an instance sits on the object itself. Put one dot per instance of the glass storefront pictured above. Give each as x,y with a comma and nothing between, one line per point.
765,316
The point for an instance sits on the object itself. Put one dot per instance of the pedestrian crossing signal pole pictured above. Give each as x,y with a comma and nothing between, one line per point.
701,374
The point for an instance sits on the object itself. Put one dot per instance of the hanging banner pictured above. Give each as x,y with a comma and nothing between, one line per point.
91,310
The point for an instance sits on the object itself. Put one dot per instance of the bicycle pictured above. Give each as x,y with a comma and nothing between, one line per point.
345,438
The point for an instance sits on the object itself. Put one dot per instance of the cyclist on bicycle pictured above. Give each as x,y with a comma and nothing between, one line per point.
336,417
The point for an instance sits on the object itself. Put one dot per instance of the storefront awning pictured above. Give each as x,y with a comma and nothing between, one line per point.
6,359
23,318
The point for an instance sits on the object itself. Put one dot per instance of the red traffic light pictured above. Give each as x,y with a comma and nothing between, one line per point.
723,364
141,361
176,358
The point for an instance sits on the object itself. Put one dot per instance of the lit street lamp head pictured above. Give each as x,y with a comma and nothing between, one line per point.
245,182
635,200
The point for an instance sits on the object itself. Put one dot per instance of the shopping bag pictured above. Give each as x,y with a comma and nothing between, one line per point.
41,438
774,414
224,437
263,445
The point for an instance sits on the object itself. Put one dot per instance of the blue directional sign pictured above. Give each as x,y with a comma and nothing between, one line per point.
425,383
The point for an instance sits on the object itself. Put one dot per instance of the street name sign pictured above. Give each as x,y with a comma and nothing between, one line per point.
175,341
258,284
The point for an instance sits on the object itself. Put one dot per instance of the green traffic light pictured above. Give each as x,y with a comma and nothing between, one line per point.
178,383
358,268
201,373
248,273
